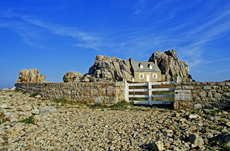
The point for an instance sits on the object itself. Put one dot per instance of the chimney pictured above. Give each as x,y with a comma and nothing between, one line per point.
155,61
131,60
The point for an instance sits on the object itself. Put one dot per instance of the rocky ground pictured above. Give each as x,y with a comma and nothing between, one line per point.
56,127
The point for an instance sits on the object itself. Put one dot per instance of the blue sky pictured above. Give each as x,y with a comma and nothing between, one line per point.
58,36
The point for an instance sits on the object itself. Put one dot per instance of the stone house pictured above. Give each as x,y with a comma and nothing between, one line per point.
145,72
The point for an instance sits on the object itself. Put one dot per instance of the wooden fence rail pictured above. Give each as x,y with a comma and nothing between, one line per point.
149,90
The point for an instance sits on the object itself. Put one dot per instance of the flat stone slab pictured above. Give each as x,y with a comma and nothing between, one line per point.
182,95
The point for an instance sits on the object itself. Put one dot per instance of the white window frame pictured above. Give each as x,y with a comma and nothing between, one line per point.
150,67
141,76
141,66
154,76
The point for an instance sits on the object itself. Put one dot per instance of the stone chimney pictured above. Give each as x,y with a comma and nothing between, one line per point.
131,60
155,61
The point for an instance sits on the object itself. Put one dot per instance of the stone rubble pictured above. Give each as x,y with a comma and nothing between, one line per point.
60,128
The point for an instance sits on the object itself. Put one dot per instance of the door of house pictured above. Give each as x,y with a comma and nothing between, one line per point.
147,77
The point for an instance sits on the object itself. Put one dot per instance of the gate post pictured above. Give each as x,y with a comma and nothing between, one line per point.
126,91
150,93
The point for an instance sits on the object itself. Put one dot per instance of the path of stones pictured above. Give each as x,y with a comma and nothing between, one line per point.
88,129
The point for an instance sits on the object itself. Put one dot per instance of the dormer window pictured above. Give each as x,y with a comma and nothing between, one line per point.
150,67
141,66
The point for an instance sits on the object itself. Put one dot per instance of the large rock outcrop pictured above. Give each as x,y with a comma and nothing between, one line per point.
170,65
72,77
30,75
109,68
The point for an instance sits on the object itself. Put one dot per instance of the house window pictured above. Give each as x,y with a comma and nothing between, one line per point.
154,76
150,67
141,76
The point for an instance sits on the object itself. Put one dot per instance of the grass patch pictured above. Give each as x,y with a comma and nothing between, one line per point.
2,118
120,105
28,120
123,105
213,113
33,94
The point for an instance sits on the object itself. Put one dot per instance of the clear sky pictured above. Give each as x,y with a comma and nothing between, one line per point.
58,36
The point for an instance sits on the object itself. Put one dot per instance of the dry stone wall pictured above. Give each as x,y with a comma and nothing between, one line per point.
98,92
202,94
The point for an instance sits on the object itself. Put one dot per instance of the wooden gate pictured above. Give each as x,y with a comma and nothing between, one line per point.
148,93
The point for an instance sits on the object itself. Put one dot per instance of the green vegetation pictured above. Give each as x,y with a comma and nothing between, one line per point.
120,105
24,92
33,94
2,118
213,113
28,120
221,146
175,76
123,105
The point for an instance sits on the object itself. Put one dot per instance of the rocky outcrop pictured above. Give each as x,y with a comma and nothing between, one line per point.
30,75
107,68
72,77
170,65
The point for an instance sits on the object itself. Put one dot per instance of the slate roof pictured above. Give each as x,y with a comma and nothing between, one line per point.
136,67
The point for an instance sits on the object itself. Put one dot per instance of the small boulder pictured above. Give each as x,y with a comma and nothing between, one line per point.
35,111
5,89
25,108
36,119
228,124
193,116
157,146
72,76
197,106
30,75
47,110
196,140
13,89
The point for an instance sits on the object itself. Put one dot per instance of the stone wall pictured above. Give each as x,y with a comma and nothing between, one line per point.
202,94
98,92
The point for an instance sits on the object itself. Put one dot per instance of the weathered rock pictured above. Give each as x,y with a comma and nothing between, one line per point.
30,75
35,111
228,124
193,116
36,119
47,110
13,89
197,106
170,65
72,77
5,89
107,69
203,94
157,146
196,140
